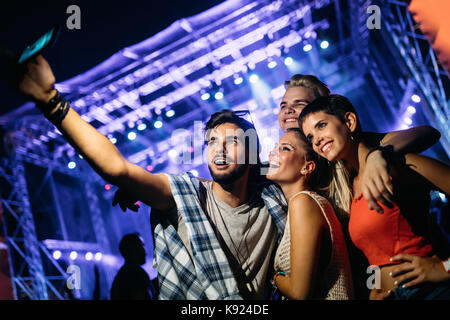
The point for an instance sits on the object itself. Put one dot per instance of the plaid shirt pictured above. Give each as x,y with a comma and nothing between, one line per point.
208,275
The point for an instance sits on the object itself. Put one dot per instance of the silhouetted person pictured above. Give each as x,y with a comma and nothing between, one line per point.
132,282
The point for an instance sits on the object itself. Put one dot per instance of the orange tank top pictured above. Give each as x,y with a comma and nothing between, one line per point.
382,236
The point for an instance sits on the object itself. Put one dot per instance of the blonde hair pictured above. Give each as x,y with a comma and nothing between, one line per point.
340,192
308,81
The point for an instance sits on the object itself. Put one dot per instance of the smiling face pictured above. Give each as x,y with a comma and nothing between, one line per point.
292,104
288,160
329,136
226,153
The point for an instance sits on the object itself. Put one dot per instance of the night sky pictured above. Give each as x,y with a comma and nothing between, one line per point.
106,27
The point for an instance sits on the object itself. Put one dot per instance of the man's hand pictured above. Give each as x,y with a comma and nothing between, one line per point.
36,80
415,270
125,201
376,183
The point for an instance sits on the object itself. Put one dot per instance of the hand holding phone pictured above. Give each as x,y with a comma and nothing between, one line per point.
36,48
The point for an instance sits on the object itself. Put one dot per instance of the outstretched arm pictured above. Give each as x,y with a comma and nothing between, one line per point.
375,180
153,189
307,226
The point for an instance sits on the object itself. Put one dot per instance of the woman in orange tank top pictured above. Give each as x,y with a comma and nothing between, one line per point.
396,241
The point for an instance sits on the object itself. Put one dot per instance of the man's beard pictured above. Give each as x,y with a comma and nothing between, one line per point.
226,180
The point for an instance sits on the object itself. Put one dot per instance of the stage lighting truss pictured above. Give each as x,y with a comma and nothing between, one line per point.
172,64
421,61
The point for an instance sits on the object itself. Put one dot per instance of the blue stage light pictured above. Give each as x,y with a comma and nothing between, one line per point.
307,47
56,254
411,110
218,95
288,61
254,78
73,255
205,96
324,44
141,126
98,256
88,256
157,124
131,135
415,98
272,64
170,113
238,80
72,165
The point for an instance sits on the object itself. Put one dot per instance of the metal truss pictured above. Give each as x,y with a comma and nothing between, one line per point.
147,72
27,272
422,63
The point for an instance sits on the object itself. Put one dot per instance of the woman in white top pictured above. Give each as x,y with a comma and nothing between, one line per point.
311,260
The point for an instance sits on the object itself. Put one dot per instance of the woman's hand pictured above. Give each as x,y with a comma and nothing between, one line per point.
376,183
378,294
415,270
36,80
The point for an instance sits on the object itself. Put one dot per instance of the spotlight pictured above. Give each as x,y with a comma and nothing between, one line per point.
88,256
415,98
218,95
205,96
141,127
73,255
170,113
150,168
56,254
98,256
131,135
324,44
238,80
173,153
72,165
113,140
411,109
80,156
254,78
157,124
408,121
272,64
307,47
107,187
288,61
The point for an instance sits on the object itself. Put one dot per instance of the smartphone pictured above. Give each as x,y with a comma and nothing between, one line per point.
34,49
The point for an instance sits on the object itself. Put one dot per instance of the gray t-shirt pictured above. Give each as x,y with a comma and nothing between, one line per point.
249,234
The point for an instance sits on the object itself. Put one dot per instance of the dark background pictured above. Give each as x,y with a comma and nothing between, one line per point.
106,27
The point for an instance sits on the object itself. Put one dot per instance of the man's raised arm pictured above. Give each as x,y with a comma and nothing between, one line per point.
152,189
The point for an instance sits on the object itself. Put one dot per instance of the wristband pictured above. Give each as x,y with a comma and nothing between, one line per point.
57,117
446,265
46,108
